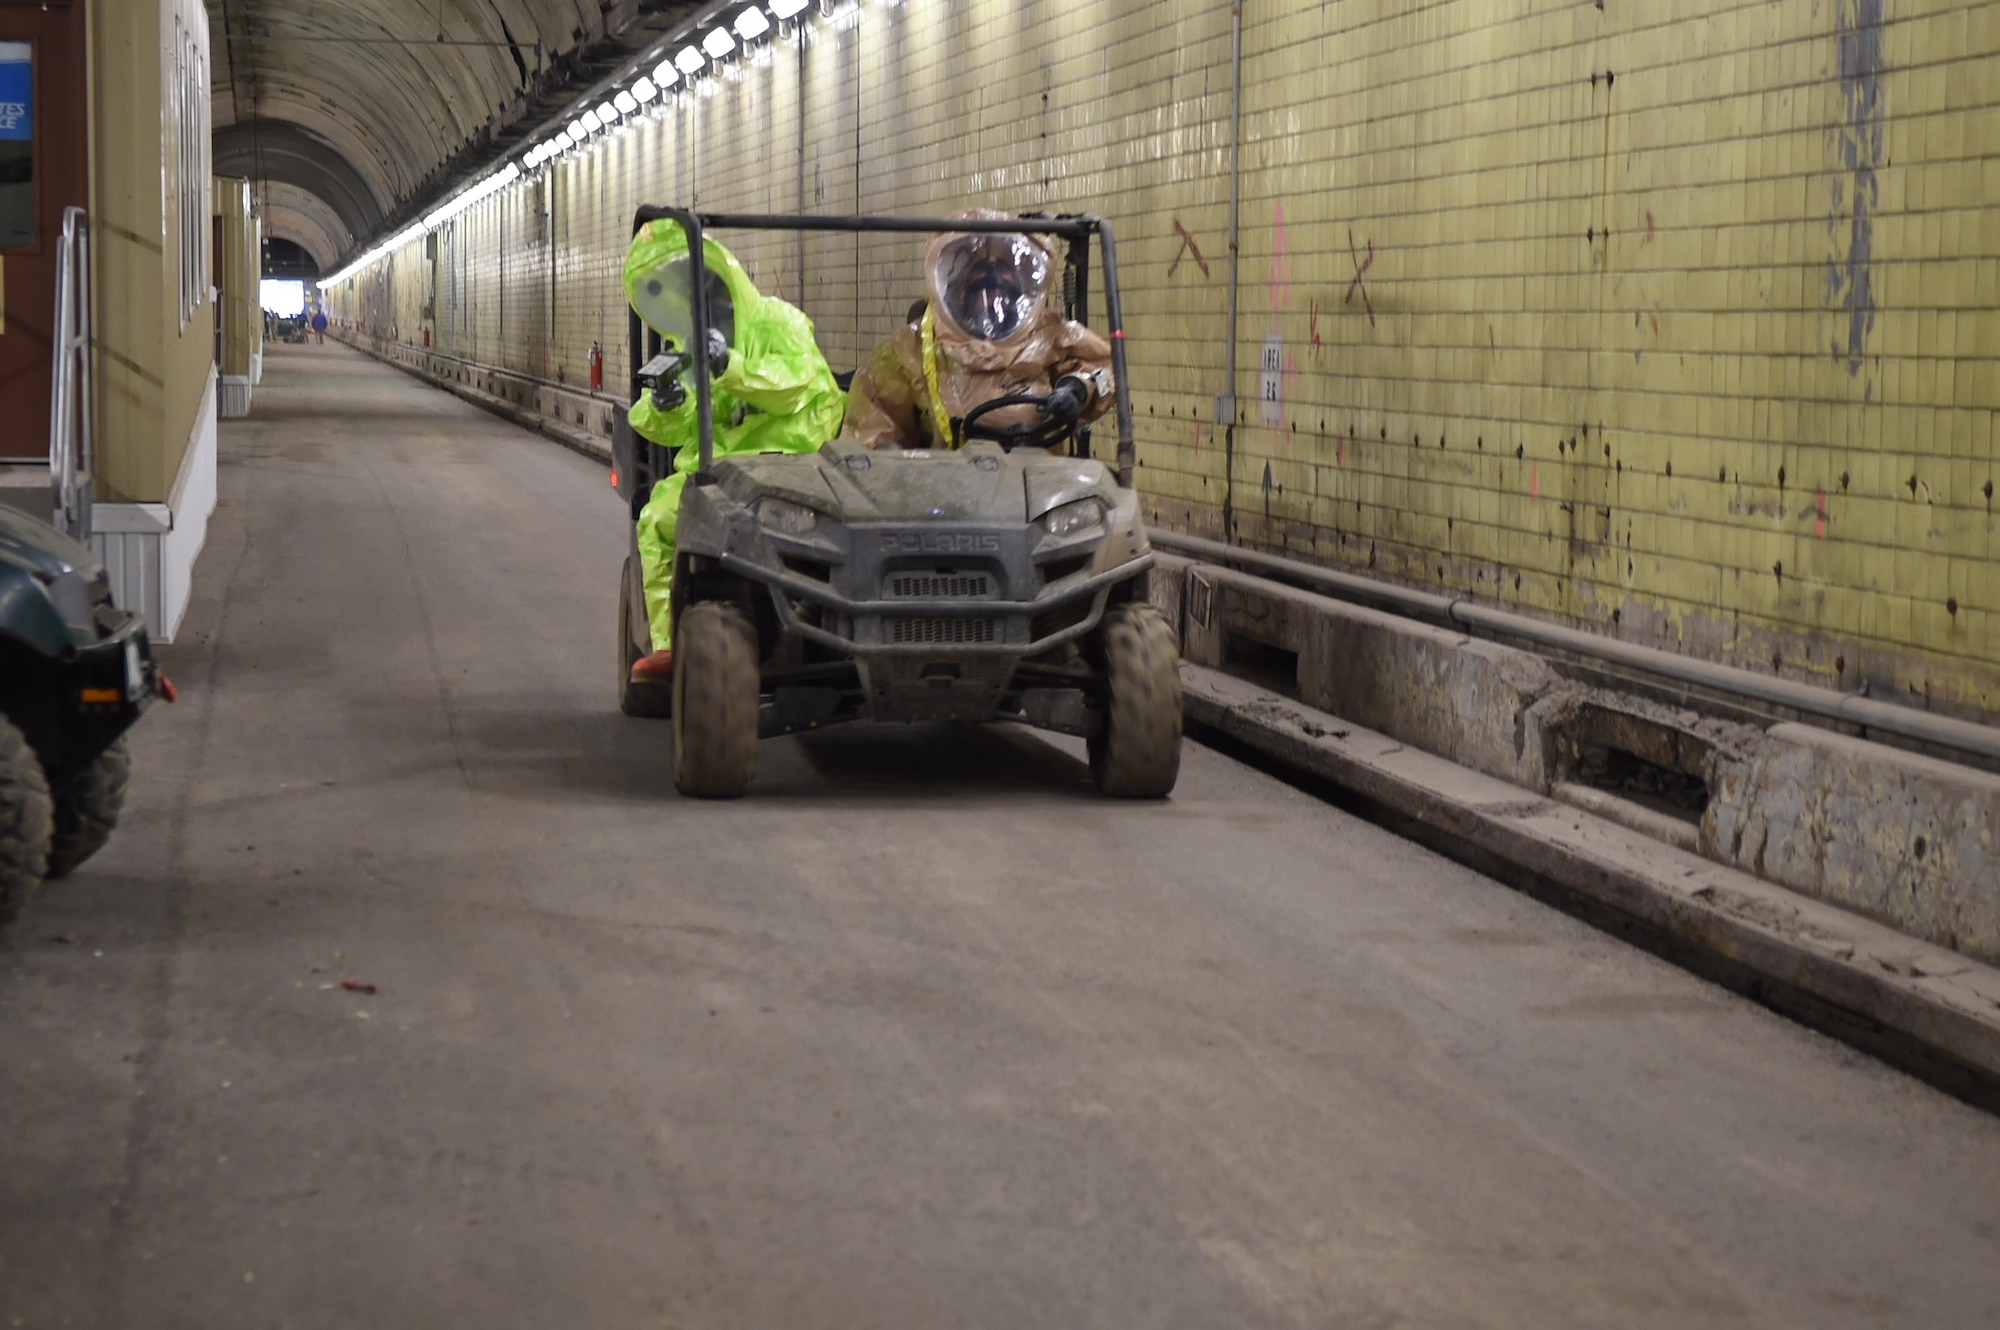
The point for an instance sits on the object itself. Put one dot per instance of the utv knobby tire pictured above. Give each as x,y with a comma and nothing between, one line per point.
715,702
1137,755
650,701
87,809
27,820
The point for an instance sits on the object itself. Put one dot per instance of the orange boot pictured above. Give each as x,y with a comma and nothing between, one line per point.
656,668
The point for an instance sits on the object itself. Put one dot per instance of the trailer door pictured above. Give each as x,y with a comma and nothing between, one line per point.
42,171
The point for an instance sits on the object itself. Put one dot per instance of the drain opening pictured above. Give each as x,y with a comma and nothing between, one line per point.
1261,663
1664,790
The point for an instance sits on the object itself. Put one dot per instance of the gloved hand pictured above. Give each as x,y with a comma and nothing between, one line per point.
718,353
669,394
1066,404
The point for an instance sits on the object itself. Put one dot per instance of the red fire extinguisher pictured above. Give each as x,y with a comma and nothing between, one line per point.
596,366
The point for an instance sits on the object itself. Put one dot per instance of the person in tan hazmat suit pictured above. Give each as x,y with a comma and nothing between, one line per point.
988,330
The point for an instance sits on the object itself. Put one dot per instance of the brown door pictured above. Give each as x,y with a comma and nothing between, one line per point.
42,171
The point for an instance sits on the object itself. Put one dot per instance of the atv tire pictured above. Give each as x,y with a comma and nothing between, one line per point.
87,809
27,820
716,690
1137,754
651,701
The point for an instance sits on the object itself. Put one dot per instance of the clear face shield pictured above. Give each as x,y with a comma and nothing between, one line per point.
662,298
988,285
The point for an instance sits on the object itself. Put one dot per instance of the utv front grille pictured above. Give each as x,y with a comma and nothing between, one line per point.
940,586
944,632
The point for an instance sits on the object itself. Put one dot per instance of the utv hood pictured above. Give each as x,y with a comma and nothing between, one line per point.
38,548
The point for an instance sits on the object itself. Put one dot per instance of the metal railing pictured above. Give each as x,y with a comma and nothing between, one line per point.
1460,610
72,451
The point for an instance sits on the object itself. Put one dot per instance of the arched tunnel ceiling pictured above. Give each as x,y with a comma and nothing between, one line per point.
303,217
375,105
276,152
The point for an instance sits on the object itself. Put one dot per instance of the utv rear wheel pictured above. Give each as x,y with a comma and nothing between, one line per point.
715,702
653,701
27,820
1137,755
87,809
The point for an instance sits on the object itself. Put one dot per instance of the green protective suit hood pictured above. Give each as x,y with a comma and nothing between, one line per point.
776,396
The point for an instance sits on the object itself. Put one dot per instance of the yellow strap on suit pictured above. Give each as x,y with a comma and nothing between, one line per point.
940,418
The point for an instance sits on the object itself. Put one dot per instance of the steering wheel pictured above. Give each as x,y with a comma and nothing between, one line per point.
1041,434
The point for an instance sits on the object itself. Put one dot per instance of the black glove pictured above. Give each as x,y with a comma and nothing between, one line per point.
1067,402
718,353
669,394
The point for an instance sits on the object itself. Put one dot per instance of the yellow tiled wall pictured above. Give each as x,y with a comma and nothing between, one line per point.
1672,320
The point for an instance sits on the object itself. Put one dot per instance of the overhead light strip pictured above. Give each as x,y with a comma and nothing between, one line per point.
714,44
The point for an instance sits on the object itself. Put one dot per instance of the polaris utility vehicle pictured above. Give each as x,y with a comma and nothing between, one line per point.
75,673
1001,580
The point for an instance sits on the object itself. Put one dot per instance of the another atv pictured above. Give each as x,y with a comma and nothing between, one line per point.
1001,580
75,673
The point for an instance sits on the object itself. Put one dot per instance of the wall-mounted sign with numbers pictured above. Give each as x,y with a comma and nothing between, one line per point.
1271,391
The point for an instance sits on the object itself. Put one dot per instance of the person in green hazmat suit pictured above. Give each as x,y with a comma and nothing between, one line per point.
772,392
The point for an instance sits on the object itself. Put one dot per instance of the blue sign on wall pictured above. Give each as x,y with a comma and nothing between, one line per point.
17,100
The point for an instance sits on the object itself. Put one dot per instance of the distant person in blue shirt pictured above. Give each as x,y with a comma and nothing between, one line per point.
319,325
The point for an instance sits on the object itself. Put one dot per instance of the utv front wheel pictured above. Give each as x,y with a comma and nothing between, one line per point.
27,820
715,702
87,809
652,701
1137,754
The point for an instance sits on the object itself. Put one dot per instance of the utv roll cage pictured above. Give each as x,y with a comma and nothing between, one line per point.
643,343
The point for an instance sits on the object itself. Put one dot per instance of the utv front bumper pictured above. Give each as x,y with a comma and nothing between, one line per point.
933,626
937,620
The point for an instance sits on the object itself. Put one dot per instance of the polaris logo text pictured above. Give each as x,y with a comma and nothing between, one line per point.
939,542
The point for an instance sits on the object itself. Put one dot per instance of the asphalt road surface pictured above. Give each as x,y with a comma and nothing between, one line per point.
923,1033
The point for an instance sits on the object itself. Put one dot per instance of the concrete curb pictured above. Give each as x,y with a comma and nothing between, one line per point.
1942,1005
576,440
1910,841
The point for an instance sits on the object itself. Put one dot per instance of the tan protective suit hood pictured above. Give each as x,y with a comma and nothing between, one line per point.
892,401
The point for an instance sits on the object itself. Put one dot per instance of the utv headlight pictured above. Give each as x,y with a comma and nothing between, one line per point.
787,518
1074,519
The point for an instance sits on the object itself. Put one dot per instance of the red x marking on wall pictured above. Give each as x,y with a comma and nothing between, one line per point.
1187,247
1361,266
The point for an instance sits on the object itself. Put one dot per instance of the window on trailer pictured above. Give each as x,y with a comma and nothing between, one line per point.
17,145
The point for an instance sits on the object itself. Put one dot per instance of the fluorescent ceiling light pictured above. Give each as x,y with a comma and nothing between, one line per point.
607,115
666,75
592,122
625,102
718,43
689,61
787,8
752,23
492,184
645,89
576,130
